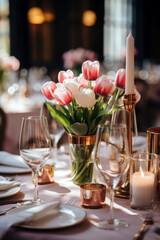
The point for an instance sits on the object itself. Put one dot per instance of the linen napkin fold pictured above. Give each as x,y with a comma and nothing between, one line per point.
5,184
12,160
23,216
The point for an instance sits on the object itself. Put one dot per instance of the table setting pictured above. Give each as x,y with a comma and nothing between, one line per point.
106,186
65,192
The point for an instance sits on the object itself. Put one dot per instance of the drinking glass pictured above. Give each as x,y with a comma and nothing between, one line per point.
35,146
119,116
55,130
112,164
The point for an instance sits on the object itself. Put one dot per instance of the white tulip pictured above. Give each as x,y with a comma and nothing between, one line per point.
86,97
72,85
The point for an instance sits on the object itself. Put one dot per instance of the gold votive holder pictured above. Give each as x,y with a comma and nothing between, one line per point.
46,173
153,146
93,195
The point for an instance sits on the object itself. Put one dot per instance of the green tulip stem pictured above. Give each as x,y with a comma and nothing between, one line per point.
90,84
109,102
81,172
116,98
70,110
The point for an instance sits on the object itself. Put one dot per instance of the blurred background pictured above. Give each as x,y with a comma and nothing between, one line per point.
47,36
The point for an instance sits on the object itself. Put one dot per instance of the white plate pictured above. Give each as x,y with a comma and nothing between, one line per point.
68,216
14,170
9,192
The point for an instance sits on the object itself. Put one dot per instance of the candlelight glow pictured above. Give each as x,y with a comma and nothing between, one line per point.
49,17
89,18
141,172
35,15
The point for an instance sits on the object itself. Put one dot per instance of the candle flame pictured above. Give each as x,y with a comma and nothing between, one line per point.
141,171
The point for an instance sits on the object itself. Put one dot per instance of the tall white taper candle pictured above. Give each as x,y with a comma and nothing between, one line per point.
129,88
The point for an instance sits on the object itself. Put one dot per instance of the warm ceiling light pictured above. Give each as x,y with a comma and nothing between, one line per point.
49,17
35,15
89,18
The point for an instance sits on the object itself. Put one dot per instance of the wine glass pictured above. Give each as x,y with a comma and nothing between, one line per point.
35,146
112,164
119,116
55,130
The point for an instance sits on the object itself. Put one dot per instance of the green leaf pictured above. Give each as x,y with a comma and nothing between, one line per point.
79,129
59,117
64,110
103,112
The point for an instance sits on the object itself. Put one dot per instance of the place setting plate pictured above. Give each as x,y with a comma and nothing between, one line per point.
9,192
13,170
66,216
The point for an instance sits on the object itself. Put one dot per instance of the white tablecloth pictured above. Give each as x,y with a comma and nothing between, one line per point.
64,190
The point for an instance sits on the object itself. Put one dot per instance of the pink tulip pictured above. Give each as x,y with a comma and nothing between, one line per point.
91,70
8,62
62,95
137,95
120,78
104,85
48,89
82,81
62,75
13,63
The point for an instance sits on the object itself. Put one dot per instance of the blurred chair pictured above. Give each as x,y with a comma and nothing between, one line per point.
3,124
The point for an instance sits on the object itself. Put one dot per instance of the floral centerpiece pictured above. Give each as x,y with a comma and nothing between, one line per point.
82,103
7,63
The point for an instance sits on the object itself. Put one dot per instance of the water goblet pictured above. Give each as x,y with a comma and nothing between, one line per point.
55,130
35,147
119,116
112,165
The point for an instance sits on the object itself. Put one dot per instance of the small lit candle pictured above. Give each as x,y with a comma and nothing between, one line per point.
129,87
142,188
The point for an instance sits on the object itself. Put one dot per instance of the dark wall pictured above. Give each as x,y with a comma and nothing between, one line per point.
19,31
44,44
146,28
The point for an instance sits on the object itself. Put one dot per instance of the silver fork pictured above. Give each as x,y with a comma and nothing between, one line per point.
145,226
71,201
4,211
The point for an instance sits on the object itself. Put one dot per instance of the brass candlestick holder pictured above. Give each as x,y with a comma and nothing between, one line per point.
122,189
129,104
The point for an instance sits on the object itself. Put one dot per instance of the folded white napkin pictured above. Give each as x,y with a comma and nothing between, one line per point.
12,160
22,216
5,184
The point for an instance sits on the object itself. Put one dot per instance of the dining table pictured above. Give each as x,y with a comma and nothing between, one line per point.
68,194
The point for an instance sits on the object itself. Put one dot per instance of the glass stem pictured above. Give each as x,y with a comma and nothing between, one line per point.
111,213
55,149
36,196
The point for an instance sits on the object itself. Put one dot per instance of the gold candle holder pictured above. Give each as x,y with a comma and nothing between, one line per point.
129,104
122,189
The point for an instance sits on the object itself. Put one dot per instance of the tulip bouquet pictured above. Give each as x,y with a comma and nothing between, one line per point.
82,103
80,100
